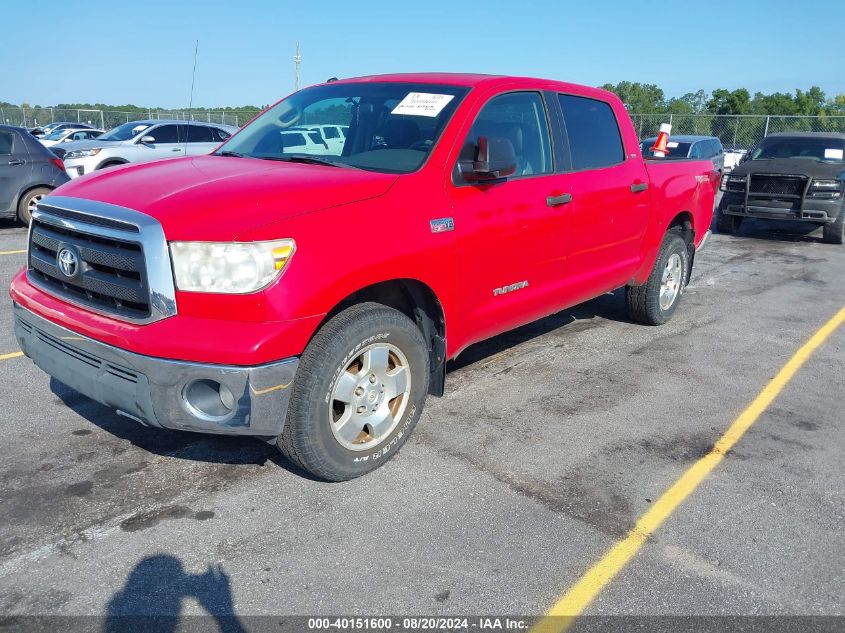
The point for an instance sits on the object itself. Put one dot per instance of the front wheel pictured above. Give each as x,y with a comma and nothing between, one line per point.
358,393
728,224
834,233
654,302
29,201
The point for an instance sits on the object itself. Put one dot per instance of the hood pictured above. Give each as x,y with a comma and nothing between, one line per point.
797,166
219,197
72,145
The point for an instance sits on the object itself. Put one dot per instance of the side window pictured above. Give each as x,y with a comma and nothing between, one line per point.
330,132
316,138
519,117
698,150
594,139
717,148
199,134
165,134
5,143
219,135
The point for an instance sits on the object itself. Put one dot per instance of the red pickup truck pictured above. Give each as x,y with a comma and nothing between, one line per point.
309,291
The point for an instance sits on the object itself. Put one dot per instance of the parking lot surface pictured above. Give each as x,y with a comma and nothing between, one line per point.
549,444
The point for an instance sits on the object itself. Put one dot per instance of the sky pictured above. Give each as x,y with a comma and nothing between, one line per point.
142,52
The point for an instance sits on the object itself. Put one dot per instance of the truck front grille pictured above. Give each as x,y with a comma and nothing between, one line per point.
777,185
110,274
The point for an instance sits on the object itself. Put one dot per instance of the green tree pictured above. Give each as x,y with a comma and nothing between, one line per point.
730,102
639,98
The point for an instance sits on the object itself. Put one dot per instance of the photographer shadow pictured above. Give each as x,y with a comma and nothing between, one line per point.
153,596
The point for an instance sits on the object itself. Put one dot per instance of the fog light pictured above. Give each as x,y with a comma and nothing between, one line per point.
209,400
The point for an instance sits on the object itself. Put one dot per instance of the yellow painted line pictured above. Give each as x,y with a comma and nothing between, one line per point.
561,616
12,252
12,355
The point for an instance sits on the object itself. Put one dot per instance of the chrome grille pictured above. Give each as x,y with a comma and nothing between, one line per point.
107,258
111,272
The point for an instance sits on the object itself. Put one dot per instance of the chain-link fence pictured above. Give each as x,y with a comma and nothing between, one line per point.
740,132
106,119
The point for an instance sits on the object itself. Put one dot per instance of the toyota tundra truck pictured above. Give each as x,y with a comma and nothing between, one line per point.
314,300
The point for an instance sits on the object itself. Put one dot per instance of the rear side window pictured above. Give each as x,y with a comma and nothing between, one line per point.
594,139
331,132
199,134
717,147
5,143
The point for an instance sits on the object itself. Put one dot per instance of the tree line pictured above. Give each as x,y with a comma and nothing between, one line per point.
650,99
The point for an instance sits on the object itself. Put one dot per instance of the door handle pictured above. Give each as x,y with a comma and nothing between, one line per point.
637,187
176,149
554,201
16,161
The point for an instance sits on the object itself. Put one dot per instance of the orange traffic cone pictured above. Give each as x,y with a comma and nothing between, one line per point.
659,149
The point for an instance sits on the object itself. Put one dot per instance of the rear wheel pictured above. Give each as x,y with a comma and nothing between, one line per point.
655,302
834,233
29,201
358,393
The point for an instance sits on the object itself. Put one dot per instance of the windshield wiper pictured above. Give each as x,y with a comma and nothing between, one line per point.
227,152
309,160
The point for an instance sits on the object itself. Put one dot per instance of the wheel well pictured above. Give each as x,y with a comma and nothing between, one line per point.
111,162
682,223
419,303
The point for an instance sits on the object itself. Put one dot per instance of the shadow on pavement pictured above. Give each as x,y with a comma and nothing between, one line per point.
153,596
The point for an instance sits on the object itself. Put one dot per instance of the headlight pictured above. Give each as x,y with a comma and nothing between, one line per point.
229,267
826,188
82,153
733,183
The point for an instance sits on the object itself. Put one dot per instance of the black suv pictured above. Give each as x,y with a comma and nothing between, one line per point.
28,172
789,176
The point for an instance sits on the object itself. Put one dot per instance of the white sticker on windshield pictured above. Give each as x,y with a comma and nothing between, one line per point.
672,144
422,104
834,154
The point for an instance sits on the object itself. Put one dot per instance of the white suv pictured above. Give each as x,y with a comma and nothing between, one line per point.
143,141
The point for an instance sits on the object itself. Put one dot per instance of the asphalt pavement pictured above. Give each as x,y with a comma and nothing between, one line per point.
549,443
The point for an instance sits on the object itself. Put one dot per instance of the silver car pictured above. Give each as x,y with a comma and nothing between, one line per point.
143,141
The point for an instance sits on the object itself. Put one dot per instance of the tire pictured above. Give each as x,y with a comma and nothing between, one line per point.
28,201
655,302
728,224
834,233
333,384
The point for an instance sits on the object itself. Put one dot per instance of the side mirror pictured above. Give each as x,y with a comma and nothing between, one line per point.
496,159
147,140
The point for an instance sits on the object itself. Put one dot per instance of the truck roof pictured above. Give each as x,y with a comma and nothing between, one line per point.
475,79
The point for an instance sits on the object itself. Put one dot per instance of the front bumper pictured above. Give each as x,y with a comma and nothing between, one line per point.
160,392
808,210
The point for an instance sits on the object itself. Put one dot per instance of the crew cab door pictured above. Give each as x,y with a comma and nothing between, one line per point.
200,140
510,245
609,215
169,143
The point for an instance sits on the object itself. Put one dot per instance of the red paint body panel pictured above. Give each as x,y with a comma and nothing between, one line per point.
356,228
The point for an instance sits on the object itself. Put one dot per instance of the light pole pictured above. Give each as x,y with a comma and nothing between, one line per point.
297,60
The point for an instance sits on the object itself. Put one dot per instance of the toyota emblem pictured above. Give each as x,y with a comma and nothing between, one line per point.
68,262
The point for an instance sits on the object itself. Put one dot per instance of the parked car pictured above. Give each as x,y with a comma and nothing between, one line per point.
733,157
313,300
796,176
69,135
689,146
28,172
144,141
303,140
333,135
59,125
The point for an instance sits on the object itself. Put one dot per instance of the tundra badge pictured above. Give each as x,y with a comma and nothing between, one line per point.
442,224
519,285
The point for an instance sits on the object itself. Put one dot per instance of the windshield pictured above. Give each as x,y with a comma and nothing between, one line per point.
389,126
827,150
55,136
124,132
674,149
